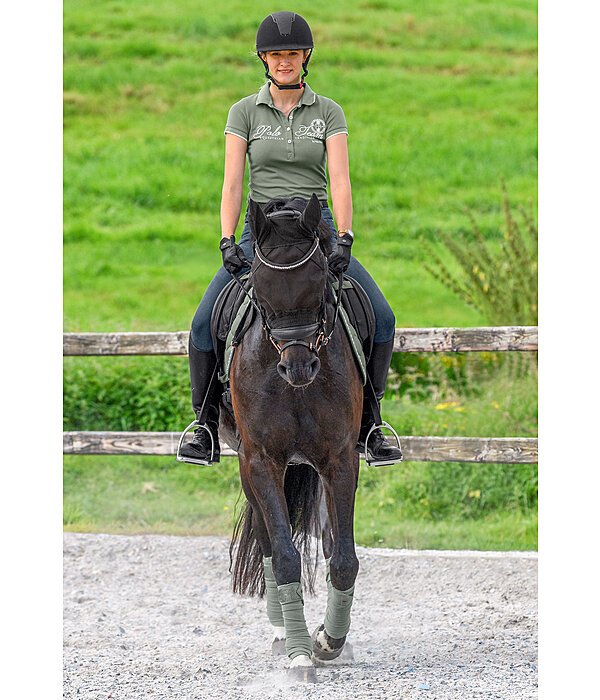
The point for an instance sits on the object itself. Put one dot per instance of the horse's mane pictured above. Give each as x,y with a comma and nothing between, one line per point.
300,204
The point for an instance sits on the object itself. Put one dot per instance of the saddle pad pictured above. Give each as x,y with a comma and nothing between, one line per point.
227,324
358,306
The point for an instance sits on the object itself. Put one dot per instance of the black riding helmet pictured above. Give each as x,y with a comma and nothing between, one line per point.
284,31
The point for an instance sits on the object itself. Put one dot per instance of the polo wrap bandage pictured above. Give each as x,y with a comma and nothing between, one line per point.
273,605
339,604
298,639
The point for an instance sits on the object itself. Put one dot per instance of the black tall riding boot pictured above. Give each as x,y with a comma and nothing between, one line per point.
380,450
202,366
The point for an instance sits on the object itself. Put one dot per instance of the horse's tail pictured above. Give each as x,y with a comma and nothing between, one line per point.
303,492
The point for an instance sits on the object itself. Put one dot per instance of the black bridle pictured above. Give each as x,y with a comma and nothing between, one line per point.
294,334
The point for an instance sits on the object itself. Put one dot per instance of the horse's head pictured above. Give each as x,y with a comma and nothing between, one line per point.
289,273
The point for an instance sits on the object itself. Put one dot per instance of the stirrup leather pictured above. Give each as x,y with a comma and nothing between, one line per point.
192,460
376,462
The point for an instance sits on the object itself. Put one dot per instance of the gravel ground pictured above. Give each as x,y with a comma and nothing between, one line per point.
152,616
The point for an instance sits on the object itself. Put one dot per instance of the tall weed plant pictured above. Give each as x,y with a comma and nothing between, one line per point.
500,283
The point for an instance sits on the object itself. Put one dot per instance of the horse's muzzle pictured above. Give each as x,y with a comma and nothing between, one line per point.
296,368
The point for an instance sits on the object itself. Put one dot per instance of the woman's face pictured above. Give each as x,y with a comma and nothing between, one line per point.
285,66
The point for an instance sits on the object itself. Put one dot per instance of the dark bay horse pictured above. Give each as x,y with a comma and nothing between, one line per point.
297,397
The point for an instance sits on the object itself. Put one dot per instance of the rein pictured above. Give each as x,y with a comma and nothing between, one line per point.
321,339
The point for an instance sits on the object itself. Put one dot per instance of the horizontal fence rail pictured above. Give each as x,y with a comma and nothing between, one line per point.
416,449
511,450
483,339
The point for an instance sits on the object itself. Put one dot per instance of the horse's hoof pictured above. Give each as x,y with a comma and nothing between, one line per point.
278,647
325,648
302,674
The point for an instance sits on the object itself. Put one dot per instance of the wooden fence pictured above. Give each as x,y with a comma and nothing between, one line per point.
517,450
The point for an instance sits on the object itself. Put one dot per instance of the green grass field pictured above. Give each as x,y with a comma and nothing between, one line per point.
441,103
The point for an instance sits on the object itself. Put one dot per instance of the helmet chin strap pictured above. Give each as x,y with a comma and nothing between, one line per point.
296,86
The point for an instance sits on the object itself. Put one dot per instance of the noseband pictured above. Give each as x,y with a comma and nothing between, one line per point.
293,334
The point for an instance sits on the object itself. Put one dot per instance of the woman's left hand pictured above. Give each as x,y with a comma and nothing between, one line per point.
339,259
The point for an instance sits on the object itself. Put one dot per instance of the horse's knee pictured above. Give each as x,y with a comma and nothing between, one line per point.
343,570
287,564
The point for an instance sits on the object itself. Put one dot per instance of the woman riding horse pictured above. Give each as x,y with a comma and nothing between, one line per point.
288,133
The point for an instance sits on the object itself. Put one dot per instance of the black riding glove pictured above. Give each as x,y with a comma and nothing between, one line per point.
234,260
339,259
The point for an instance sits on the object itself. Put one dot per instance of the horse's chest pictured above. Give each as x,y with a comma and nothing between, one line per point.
298,423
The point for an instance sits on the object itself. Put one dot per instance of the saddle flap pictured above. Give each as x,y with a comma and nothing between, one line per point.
226,315
226,306
359,310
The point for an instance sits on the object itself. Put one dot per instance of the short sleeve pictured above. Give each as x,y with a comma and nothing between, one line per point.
237,121
335,121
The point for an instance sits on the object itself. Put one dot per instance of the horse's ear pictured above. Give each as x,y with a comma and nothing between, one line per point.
258,221
312,214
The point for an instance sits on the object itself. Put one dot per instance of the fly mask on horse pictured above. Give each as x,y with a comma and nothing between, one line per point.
289,275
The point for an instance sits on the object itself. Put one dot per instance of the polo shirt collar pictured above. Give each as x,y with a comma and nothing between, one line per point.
264,96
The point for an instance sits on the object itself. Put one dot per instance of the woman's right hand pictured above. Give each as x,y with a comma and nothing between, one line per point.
234,259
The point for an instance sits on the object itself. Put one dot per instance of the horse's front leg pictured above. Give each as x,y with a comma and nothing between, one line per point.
341,480
266,480
259,530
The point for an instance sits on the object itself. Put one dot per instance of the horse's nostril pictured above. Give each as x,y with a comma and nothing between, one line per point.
315,366
282,369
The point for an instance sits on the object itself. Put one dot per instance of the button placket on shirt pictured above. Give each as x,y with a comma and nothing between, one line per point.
290,134
288,131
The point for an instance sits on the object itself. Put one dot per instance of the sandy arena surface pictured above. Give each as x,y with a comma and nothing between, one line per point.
153,616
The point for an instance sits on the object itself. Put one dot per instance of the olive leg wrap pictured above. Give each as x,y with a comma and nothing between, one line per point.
273,605
298,639
337,614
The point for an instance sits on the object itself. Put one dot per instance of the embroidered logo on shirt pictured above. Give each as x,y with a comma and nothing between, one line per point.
315,130
266,131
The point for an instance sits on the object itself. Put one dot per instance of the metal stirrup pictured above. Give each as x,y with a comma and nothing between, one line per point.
383,463
192,460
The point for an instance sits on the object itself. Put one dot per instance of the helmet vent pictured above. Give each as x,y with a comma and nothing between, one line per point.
284,20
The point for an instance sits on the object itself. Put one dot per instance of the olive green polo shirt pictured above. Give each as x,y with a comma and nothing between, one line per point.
286,155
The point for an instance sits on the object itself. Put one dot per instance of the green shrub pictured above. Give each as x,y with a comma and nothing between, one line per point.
501,284
117,393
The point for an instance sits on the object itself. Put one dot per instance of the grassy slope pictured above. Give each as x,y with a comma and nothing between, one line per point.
440,99
156,494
